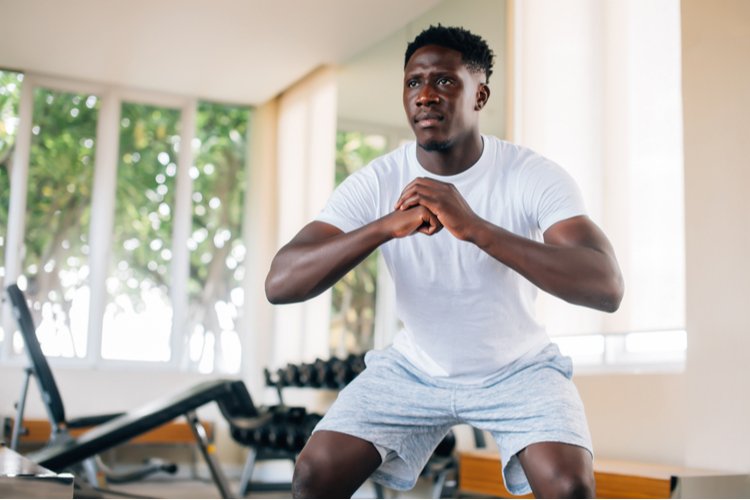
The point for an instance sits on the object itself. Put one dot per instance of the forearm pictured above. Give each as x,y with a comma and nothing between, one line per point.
304,269
580,275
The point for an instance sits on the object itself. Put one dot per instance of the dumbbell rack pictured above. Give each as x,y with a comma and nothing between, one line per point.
333,374
287,432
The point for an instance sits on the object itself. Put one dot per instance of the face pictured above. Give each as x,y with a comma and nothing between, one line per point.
442,98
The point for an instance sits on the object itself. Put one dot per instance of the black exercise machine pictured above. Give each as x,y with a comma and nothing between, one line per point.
79,454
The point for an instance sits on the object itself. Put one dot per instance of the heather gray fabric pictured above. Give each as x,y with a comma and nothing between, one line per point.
406,413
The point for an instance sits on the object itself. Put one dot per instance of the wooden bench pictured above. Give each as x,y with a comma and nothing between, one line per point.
480,472
174,432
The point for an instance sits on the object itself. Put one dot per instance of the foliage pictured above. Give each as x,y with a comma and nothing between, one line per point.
59,202
216,268
142,239
353,305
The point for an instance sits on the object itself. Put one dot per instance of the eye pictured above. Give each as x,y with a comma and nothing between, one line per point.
411,84
443,81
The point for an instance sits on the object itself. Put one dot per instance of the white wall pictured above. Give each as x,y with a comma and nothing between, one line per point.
306,142
700,418
371,83
716,89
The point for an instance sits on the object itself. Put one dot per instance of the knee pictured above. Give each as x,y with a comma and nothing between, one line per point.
310,476
572,485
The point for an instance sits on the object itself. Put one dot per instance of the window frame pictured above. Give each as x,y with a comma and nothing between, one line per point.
103,212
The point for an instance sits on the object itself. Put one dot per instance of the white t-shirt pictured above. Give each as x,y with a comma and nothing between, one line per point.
465,314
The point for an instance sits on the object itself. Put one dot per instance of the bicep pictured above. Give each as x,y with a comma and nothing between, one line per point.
578,231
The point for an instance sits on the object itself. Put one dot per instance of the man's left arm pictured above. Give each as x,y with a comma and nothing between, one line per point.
576,262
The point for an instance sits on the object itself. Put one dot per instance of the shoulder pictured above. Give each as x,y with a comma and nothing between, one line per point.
513,157
527,167
391,163
385,170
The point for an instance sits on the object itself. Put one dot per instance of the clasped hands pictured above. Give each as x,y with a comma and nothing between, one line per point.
427,205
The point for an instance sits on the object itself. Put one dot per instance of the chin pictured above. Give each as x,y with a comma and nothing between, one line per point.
435,144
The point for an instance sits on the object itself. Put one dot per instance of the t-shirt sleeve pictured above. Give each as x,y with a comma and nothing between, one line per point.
354,203
548,193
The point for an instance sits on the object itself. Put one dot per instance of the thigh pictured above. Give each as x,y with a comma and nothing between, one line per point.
333,465
389,406
535,402
393,408
558,470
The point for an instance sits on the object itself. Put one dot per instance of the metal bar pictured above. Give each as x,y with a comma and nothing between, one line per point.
201,437
437,486
379,493
479,438
247,471
18,424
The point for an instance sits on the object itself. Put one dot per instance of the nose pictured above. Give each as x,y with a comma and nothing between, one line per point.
427,95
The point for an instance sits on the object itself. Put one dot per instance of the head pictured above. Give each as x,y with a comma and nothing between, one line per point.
446,72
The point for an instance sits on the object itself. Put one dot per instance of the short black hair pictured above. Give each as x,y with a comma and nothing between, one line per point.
474,50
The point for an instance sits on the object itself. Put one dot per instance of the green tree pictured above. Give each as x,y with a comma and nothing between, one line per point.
58,208
353,304
217,250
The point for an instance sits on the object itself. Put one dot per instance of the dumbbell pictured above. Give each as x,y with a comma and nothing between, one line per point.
342,373
357,363
290,376
270,382
326,375
308,375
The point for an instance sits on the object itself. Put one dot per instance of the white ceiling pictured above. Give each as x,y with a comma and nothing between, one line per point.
241,51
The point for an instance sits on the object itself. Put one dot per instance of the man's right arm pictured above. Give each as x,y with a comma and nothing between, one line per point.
321,254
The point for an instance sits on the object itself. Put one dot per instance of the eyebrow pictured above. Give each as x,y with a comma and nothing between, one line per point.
439,74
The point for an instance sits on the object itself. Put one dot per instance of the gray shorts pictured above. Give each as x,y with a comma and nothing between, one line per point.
406,413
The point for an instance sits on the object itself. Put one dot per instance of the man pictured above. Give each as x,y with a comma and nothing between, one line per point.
469,227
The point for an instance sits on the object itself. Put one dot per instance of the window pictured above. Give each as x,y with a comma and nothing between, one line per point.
353,304
600,93
55,270
153,275
10,93
216,248
138,316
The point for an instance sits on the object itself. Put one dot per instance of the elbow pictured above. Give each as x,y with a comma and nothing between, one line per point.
279,291
275,290
612,297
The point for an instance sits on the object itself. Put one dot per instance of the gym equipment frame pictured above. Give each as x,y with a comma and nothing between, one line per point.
79,454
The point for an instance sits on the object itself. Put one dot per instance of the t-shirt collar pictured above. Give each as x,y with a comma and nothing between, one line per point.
467,175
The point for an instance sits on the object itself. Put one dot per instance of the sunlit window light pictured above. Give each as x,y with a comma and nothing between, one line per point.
580,345
640,342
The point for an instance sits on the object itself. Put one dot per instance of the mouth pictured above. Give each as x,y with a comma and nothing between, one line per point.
427,120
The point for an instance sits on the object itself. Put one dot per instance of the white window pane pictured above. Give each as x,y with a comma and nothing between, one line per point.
58,209
10,95
138,316
217,258
641,342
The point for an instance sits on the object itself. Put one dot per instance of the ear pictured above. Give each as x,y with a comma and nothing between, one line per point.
483,95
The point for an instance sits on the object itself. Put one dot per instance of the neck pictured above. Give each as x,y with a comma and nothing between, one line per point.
458,157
